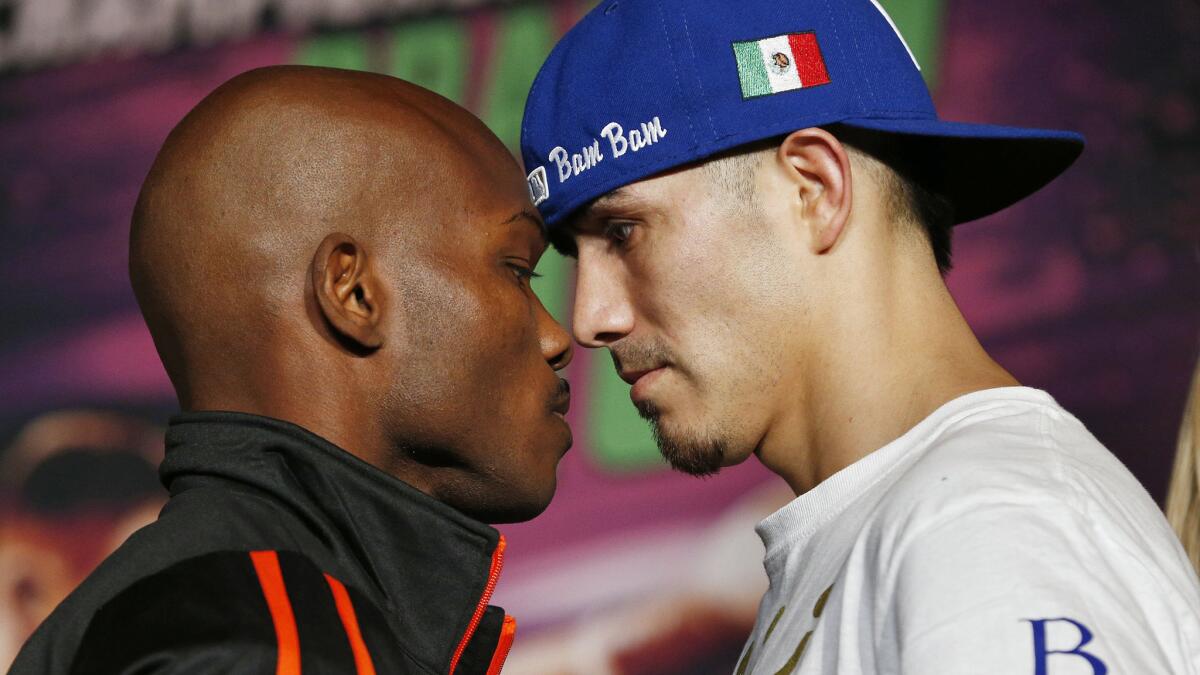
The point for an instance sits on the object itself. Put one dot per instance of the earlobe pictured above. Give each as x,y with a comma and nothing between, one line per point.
820,170
346,292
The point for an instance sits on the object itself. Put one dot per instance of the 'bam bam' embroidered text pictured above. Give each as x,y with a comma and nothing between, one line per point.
620,142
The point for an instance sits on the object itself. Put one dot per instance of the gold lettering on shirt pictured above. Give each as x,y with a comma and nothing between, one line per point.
799,652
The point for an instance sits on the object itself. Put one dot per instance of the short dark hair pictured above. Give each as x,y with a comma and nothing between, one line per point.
912,175
908,179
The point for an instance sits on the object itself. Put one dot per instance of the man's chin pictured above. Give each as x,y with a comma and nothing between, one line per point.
690,453
516,511
692,461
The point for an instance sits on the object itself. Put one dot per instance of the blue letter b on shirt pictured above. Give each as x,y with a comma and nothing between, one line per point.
1041,652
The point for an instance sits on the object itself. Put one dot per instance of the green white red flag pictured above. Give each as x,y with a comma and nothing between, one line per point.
780,63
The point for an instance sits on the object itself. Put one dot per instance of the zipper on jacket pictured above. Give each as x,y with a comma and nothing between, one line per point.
493,577
507,633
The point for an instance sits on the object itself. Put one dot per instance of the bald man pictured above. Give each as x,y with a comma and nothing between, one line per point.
335,269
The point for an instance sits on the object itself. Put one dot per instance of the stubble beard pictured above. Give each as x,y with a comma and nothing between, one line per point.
693,454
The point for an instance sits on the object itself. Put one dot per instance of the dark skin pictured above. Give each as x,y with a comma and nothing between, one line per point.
352,253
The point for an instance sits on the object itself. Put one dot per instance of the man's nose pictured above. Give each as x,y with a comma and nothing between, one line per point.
602,313
553,339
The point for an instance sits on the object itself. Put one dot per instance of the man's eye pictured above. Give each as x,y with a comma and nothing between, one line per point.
522,272
618,232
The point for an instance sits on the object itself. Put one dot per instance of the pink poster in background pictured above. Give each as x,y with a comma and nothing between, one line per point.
1090,290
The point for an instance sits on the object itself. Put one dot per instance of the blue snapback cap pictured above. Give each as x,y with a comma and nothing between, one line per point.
639,87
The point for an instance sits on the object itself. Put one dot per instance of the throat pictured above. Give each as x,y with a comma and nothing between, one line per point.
828,429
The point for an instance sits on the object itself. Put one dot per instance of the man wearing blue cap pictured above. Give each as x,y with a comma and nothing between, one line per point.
760,198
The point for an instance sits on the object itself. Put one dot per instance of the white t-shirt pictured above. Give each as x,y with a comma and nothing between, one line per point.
997,536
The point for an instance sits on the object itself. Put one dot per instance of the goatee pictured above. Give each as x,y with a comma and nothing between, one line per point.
693,456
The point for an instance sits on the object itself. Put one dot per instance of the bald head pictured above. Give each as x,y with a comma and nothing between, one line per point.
352,253
248,184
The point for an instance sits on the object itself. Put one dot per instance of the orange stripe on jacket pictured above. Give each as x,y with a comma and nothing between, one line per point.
507,633
345,609
270,577
493,577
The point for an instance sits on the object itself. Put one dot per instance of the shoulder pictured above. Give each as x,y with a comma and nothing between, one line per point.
1025,470
234,611
1023,452
188,530
1010,518
1025,492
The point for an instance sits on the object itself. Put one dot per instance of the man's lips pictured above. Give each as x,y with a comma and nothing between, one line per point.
642,380
562,400
632,376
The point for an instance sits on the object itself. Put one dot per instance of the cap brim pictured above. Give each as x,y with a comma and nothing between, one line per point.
983,168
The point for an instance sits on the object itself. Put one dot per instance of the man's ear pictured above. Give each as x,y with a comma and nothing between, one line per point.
346,291
819,168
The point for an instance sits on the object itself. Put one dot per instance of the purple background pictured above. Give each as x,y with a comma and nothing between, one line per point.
1090,289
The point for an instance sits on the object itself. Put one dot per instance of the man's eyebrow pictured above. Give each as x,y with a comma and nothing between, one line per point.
528,217
600,204
608,198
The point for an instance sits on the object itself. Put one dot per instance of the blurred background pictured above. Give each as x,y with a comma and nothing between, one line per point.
1090,289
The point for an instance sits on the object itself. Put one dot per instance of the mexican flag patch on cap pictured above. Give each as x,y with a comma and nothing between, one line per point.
780,63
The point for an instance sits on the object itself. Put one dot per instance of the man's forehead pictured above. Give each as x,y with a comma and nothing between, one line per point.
648,193
639,192
623,197
614,197
527,218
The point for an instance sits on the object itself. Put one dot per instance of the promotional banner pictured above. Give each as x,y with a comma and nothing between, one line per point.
1089,289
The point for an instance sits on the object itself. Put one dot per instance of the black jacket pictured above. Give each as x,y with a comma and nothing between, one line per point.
278,552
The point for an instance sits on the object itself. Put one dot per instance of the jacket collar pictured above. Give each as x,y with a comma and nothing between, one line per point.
428,562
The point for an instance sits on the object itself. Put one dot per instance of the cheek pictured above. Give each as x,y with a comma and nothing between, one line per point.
453,333
498,364
502,336
724,310
477,319
695,289
717,262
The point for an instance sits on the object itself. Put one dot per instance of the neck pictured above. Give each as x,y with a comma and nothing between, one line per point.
291,378
898,348
299,383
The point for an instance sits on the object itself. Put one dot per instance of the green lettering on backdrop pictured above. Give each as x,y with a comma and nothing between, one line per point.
336,50
524,36
920,22
433,52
